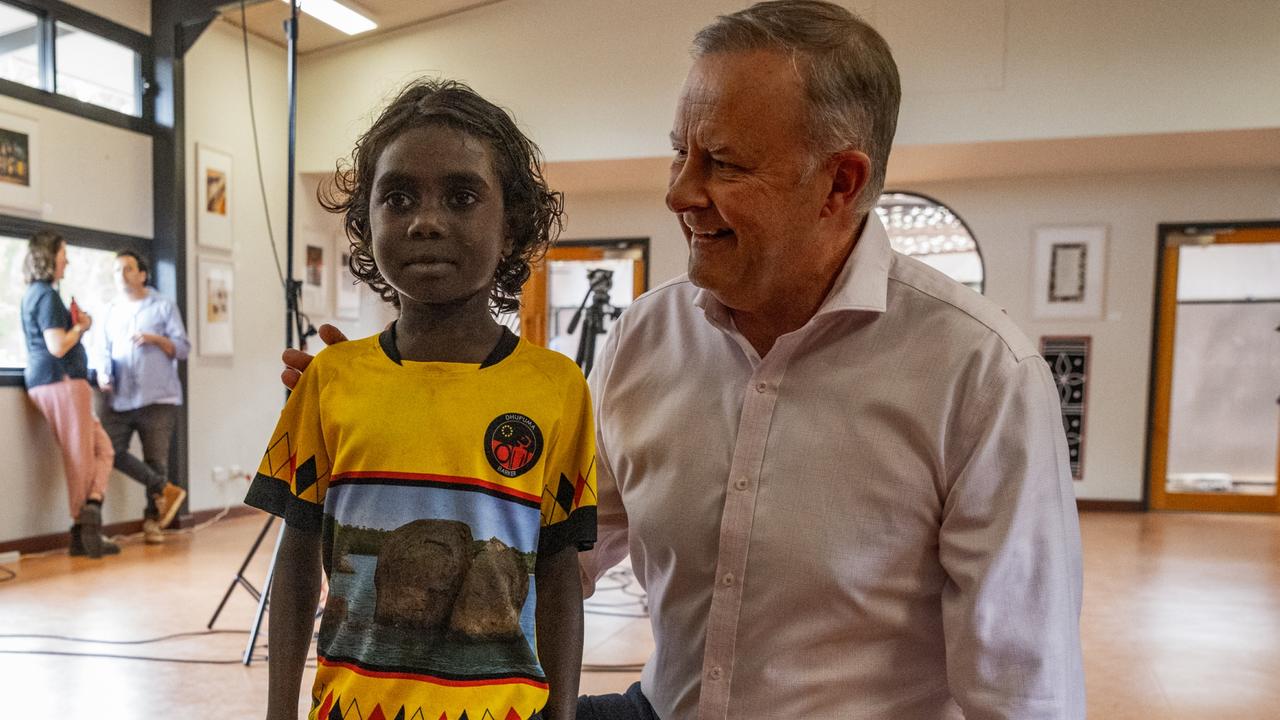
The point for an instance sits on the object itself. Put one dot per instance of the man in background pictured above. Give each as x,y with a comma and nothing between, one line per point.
143,339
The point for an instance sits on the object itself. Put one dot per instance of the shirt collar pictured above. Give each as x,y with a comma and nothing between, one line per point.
862,285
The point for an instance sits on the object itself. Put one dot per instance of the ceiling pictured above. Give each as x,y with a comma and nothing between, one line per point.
265,18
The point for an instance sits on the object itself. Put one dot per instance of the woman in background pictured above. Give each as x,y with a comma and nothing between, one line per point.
57,382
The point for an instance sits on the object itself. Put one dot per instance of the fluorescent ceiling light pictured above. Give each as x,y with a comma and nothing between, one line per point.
335,14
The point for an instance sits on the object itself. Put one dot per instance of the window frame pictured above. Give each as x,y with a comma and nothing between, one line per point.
21,227
48,14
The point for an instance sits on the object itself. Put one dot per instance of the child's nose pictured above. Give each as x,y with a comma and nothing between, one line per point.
428,222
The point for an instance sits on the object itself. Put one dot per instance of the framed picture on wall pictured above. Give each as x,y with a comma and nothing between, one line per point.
1067,279
19,163
347,306
1068,359
216,306
214,202
313,255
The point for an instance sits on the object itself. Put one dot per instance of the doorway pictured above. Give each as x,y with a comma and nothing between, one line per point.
561,289
1215,419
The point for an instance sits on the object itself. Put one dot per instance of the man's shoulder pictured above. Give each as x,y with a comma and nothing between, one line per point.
962,311
674,295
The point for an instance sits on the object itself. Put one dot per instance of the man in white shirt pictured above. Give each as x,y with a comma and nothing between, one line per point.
841,476
143,339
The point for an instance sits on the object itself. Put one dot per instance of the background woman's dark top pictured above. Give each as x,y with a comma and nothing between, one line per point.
42,309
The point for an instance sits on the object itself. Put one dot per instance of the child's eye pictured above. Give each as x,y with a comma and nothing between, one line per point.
463,198
397,199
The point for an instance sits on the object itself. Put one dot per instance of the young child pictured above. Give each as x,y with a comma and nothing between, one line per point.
441,472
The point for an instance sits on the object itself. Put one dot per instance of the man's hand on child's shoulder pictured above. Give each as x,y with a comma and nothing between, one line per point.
295,361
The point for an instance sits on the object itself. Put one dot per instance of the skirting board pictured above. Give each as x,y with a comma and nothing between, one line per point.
42,543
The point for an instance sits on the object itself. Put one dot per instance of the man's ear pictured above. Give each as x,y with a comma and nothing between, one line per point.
850,174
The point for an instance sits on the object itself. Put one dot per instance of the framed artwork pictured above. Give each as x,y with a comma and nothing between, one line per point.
216,308
1068,358
347,306
1067,280
19,163
312,256
214,202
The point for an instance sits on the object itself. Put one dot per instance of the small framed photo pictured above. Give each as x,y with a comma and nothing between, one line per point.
214,202
19,163
312,258
216,298
1067,279
348,289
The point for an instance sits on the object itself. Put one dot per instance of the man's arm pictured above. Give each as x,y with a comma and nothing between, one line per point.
1010,544
295,592
559,620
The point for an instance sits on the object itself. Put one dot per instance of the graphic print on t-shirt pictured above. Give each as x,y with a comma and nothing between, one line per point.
448,597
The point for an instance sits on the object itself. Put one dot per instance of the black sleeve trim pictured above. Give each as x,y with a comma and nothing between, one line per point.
579,530
272,494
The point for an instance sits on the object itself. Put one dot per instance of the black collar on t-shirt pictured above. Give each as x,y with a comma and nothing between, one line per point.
504,347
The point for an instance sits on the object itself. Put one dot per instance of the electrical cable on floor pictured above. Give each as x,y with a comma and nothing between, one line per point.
8,574
260,650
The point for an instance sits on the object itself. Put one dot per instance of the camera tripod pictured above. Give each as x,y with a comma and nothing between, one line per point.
592,316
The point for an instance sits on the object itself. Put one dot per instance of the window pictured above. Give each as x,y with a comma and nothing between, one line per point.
88,279
931,233
97,70
19,46
55,54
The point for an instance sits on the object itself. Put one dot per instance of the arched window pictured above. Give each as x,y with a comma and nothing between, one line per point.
930,232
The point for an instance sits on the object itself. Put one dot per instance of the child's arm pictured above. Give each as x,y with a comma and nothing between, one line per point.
559,621
295,591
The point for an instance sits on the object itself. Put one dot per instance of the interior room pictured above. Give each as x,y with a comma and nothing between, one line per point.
1106,173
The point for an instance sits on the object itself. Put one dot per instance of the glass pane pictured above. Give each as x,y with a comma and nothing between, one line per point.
97,70
932,234
1224,423
19,45
88,279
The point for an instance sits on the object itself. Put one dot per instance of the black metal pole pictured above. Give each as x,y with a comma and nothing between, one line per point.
290,289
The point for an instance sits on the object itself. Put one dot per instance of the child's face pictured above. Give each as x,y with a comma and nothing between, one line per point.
436,216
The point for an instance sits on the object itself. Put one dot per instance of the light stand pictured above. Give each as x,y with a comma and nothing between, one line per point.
593,315
292,320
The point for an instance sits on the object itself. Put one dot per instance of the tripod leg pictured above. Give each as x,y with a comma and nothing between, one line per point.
262,599
239,578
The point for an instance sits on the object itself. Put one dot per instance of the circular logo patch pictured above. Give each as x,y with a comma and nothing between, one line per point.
512,444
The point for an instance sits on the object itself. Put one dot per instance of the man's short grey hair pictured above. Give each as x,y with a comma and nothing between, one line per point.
851,80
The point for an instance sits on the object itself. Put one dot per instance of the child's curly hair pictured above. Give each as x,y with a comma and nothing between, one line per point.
534,212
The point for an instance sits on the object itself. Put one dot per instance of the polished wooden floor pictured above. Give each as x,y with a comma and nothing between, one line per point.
1181,622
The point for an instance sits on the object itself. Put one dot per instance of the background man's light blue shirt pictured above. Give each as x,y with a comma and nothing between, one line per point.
142,375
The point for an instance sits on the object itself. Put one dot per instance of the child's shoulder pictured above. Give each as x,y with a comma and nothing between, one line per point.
339,355
557,367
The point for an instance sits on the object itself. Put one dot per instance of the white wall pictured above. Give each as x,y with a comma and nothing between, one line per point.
133,14
592,79
234,402
1002,215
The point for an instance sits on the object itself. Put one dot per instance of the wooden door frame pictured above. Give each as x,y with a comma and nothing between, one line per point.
1160,384
533,324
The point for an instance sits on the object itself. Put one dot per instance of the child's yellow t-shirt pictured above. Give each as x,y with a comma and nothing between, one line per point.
435,486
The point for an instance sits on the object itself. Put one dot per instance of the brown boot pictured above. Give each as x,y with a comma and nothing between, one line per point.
168,501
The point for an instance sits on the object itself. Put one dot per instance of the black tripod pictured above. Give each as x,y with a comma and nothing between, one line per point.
592,316
293,319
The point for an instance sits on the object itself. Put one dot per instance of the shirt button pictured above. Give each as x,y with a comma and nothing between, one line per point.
714,674
727,579
761,387
740,483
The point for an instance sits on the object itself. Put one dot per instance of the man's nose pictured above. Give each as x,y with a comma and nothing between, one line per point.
686,189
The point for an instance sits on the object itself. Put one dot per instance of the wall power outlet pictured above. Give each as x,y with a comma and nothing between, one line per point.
10,558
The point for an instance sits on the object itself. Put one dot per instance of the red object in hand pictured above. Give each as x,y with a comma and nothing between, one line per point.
75,312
